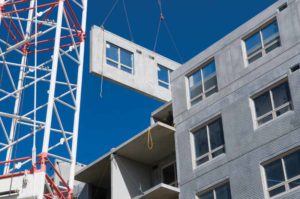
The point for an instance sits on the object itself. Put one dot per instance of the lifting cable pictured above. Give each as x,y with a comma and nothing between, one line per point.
126,17
128,22
103,28
163,20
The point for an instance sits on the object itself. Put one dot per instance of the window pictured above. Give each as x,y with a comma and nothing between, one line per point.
163,76
262,42
295,68
273,103
203,83
219,192
209,141
169,175
119,58
283,174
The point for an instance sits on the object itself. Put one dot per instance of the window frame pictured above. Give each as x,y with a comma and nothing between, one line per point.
118,63
175,183
286,181
167,84
210,151
204,92
262,43
213,189
272,112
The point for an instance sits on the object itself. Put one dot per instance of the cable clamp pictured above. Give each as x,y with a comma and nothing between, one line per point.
162,17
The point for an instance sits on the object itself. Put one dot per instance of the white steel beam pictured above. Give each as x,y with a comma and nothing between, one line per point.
19,94
53,77
78,98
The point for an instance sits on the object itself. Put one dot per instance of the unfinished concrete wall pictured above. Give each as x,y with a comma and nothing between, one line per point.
157,170
144,77
64,169
246,145
129,178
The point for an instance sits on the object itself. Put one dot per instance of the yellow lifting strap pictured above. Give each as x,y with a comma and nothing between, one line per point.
150,142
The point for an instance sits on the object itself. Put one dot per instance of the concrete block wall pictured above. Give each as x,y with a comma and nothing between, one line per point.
247,145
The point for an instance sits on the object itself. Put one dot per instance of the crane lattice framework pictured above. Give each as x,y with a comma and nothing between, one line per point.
41,68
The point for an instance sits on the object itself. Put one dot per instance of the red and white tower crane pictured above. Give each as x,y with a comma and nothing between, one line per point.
41,68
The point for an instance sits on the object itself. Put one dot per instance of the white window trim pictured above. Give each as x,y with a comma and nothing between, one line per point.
274,110
286,180
175,183
210,151
213,188
263,48
169,77
204,92
119,64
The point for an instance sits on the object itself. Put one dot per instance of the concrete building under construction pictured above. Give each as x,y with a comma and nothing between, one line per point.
229,128
230,125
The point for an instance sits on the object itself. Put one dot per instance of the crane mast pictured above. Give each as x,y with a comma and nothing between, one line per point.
41,68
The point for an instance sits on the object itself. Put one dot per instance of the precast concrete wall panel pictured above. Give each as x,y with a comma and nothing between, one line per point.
144,75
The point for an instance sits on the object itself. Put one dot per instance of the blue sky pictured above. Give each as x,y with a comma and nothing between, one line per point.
195,24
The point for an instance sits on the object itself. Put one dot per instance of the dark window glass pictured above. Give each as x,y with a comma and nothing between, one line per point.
128,70
208,195
126,58
164,85
265,119
254,57
195,83
169,174
292,164
216,134
202,160
283,172
207,148
218,152
274,173
111,63
263,104
163,73
271,37
204,78
210,79
253,44
281,99
256,47
209,70
112,52
277,191
223,192
201,142
119,58
294,183
281,94
163,76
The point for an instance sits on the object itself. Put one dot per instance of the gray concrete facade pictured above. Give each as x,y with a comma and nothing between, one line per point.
247,145
134,171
